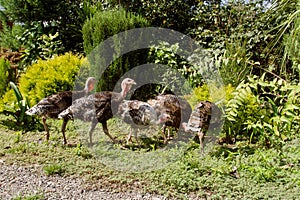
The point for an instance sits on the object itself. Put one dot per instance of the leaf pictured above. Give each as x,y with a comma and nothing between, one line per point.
16,91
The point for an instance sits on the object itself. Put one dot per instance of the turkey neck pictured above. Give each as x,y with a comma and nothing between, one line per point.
121,96
124,91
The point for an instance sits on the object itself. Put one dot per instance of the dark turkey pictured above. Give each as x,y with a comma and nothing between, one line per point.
177,109
138,115
98,107
51,106
204,115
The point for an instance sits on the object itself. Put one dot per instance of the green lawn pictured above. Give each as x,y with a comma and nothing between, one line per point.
234,172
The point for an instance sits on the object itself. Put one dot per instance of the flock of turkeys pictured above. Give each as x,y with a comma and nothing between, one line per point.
166,109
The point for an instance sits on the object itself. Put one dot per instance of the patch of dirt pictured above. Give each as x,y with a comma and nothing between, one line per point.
22,181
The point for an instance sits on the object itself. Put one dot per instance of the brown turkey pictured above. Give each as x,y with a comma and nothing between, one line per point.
204,115
177,109
138,115
51,106
98,107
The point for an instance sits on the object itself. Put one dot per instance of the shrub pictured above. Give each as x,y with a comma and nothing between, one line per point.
262,110
167,54
103,25
43,79
39,45
51,76
175,15
203,93
4,75
17,109
108,23
292,46
8,36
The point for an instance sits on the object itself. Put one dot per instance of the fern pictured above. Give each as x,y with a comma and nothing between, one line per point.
262,110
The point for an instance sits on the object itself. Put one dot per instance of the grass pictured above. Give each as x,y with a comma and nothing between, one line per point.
54,169
241,171
30,197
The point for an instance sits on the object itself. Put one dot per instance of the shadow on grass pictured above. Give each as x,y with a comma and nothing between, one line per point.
146,143
30,124
226,150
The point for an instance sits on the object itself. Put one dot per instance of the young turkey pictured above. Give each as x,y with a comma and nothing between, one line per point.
176,108
98,107
51,106
205,114
138,115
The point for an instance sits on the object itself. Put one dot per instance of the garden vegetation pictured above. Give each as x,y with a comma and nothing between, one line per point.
253,44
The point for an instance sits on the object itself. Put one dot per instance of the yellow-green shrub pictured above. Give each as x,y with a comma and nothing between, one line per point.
203,93
47,77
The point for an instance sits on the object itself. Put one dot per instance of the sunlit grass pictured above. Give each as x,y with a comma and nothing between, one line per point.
238,171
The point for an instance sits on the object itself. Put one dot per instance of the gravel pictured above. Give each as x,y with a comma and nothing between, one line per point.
22,181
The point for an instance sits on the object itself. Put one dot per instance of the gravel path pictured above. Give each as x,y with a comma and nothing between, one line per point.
16,181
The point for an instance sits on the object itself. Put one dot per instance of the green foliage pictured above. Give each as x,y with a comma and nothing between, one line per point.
235,60
283,14
15,105
51,76
4,75
64,17
98,28
292,44
175,14
239,31
82,152
168,55
39,45
8,36
265,111
197,69
30,197
105,24
203,93
22,105
54,169
238,173
218,22
40,80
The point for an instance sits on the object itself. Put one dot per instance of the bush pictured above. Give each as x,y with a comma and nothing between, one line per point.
192,72
39,45
167,54
174,14
292,46
51,76
103,25
8,36
4,75
264,111
40,80
108,23
204,93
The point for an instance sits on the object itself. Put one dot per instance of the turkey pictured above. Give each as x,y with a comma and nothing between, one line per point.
176,108
52,105
98,107
205,114
138,115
